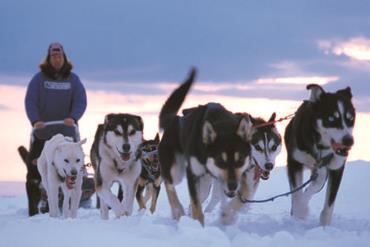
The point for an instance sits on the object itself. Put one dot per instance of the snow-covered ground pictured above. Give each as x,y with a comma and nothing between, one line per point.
267,224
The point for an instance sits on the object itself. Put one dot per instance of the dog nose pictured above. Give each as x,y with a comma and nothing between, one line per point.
74,172
347,140
126,147
232,185
269,166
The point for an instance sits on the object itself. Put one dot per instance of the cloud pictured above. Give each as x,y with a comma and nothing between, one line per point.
357,48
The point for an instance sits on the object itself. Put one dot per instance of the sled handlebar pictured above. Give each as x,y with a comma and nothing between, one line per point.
57,122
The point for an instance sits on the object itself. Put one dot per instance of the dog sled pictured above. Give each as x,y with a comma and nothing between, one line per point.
37,196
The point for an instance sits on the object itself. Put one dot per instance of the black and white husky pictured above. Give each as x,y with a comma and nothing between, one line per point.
266,145
208,141
319,138
114,156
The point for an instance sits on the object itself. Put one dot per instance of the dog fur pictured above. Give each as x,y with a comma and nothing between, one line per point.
208,141
319,138
266,145
115,158
61,166
150,177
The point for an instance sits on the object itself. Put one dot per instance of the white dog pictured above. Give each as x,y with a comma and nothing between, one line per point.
60,165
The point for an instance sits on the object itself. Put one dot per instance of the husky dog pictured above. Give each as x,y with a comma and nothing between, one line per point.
207,141
115,158
61,165
319,138
150,177
266,145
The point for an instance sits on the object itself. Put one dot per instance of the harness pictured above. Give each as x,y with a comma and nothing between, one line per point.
151,177
322,162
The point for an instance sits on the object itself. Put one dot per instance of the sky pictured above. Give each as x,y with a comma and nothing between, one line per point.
252,56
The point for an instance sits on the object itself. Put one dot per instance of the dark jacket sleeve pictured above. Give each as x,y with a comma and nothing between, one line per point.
79,100
31,100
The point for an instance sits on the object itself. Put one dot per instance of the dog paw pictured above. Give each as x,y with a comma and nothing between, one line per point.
228,217
177,213
300,211
152,210
325,218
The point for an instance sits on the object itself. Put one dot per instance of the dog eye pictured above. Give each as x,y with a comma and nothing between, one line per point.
78,160
258,148
132,132
116,132
66,160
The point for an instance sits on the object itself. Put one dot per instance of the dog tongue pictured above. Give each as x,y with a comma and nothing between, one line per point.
259,173
70,182
340,148
125,157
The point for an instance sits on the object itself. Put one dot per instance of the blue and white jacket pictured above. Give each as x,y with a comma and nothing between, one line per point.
50,100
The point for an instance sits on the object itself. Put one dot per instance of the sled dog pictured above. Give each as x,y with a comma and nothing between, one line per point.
207,141
266,145
115,158
319,138
61,165
150,177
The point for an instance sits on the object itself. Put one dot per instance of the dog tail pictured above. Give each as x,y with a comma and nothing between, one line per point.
173,103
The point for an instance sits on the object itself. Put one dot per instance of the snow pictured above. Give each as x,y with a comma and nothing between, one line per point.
267,224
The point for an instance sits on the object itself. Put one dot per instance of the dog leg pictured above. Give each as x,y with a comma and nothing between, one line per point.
229,211
196,206
129,198
148,192
75,200
139,193
66,202
104,210
111,200
204,187
335,177
177,209
295,175
156,189
216,196
53,200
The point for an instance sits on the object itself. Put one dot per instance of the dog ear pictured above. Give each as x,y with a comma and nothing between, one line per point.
245,129
316,92
156,138
82,141
208,133
272,118
140,122
345,92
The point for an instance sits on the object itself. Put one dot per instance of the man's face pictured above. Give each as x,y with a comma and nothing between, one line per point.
57,61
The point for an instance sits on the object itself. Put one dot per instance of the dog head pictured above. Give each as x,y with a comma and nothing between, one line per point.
69,161
266,144
335,118
149,151
228,150
123,133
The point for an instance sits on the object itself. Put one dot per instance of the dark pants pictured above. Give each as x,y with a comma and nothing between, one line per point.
33,179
